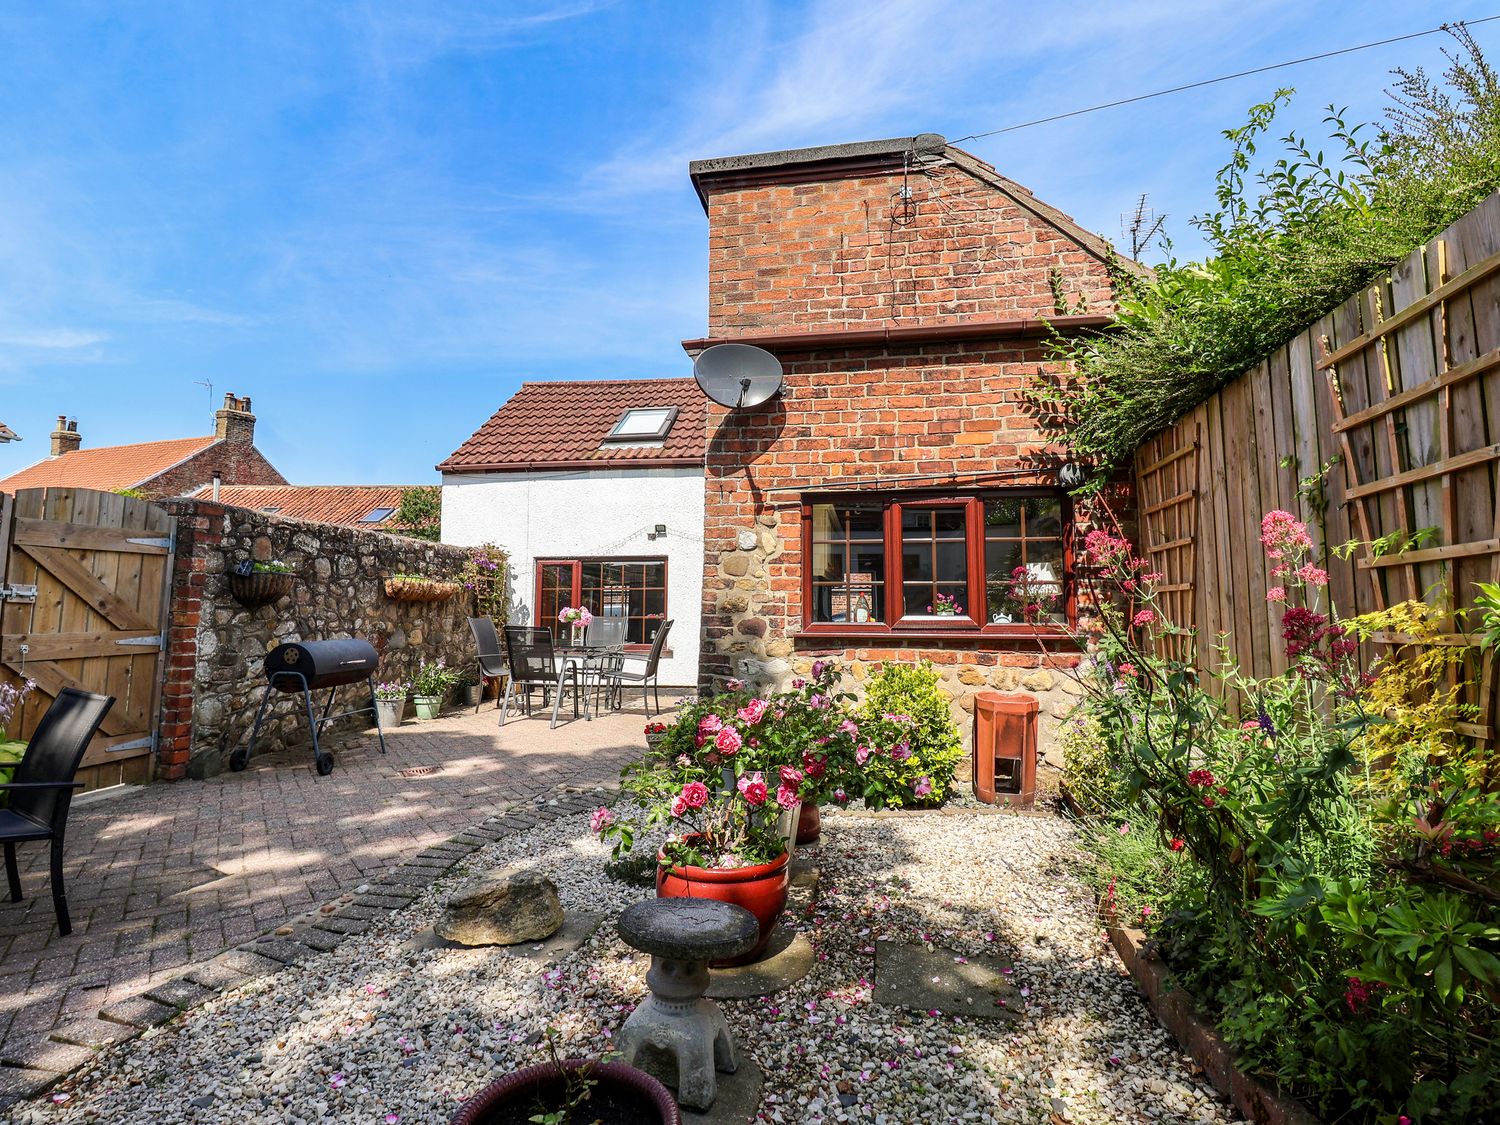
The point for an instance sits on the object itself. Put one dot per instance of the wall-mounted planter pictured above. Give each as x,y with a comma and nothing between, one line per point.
420,589
261,587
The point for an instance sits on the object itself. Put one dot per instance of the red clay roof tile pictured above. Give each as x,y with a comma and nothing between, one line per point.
563,425
108,467
346,504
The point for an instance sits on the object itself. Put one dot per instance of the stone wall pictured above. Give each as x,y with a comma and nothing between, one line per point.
214,678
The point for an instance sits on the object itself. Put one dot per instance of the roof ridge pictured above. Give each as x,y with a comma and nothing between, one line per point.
138,444
606,382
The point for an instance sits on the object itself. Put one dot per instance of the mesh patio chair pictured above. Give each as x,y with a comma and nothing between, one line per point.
41,792
646,677
606,637
490,663
533,664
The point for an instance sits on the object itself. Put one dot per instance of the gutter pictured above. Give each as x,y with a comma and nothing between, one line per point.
907,334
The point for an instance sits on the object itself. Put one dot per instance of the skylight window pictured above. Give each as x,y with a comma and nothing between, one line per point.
377,515
649,423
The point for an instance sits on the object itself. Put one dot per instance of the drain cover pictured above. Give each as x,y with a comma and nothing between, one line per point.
420,771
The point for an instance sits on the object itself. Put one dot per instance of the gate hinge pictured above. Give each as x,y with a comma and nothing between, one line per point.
164,544
17,593
154,642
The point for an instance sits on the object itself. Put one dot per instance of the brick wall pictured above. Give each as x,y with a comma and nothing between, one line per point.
216,646
852,253
237,462
848,253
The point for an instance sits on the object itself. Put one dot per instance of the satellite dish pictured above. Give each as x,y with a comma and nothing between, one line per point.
736,375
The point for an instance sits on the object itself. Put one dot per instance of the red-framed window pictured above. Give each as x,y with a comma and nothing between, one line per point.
990,563
633,588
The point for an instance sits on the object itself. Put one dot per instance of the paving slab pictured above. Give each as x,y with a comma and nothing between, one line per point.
738,1100
576,929
788,959
909,976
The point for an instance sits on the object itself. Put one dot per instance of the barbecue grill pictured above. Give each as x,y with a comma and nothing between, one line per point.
309,666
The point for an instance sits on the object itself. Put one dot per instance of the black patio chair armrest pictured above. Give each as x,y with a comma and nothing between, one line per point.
41,785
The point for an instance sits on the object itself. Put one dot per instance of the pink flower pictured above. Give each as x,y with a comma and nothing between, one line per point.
601,819
922,787
1126,669
1276,594
901,751
695,793
862,755
1312,575
791,775
679,806
754,792
729,741
815,767
840,796
753,711
848,727
710,724
1144,617
1283,534
786,797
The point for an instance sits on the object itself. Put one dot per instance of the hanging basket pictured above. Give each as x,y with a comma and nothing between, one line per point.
420,589
261,587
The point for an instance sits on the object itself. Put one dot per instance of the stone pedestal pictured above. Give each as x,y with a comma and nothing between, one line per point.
676,1035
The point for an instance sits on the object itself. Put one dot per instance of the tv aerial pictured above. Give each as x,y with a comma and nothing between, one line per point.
737,375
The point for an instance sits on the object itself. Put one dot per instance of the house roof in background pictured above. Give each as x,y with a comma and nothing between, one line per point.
347,504
109,466
563,426
8,434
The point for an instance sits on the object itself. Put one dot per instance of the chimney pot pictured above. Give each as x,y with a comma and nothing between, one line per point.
234,423
65,438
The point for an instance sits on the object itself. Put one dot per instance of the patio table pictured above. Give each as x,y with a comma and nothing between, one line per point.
586,659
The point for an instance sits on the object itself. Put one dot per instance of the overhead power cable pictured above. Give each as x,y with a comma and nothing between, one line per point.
1226,78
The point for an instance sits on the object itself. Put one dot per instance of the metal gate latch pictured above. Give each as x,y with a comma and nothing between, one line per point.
17,593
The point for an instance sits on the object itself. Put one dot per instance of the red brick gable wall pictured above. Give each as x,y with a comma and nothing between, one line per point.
847,253
236,461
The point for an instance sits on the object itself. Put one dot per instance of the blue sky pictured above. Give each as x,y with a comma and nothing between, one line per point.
377,219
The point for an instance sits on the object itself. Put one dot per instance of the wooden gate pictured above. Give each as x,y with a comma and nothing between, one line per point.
84,581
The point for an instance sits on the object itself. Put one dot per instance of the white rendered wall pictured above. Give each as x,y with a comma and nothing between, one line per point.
598,513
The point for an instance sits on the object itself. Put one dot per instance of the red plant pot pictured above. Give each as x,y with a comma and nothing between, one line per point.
623,1093
810,824
761,889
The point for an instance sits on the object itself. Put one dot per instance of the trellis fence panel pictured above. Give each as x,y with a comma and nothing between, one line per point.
1401,386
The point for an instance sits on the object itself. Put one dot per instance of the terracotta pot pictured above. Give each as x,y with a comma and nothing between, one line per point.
761,889
622,1093
810,825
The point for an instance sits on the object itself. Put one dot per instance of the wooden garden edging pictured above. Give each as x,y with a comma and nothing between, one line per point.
1401,385
1199,1038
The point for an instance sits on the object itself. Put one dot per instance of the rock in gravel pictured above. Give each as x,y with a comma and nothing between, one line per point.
503,910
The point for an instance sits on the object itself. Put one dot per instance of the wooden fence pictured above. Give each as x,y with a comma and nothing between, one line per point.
83,602
1401,384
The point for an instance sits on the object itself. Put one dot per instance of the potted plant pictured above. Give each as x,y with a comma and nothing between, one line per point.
730,777
572,1092
417,588
255,582
430,686
577,620
390,702
946,605
656,734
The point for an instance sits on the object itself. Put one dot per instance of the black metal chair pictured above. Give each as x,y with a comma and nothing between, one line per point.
490,663
41,793
533,664
647,676
605,639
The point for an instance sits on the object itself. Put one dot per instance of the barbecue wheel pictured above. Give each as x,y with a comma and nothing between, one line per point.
240,759
325,764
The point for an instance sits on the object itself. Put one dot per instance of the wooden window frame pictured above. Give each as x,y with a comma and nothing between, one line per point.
575,594
896,625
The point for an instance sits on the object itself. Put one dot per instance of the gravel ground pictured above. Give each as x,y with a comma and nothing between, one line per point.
375,1033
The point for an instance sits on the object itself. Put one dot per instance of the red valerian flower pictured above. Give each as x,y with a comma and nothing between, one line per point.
1143,617
1177,844
1200,779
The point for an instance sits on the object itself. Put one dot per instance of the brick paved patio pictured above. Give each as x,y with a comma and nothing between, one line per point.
175,873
